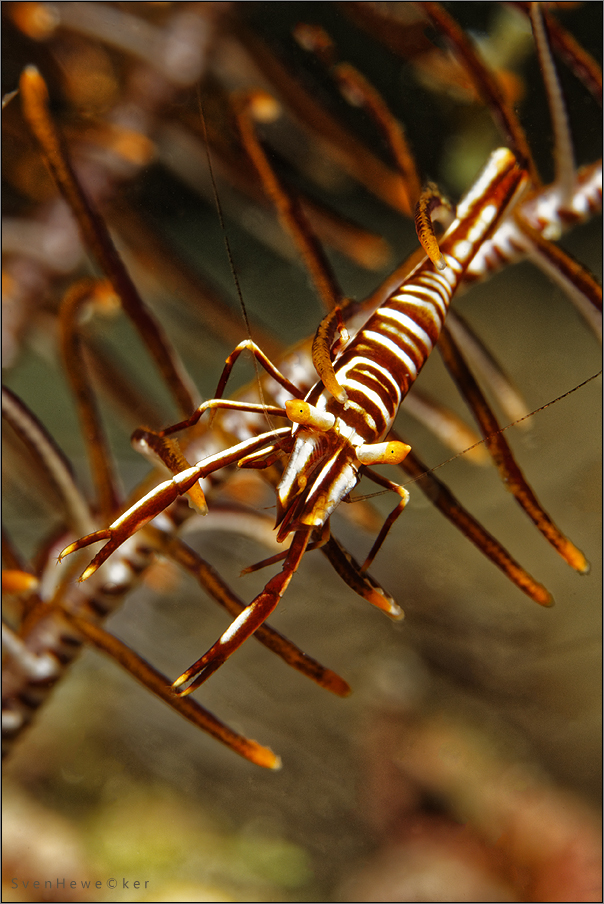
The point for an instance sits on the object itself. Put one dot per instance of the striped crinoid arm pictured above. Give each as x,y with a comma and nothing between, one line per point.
573,197
357,90
55,617
52,617
134,134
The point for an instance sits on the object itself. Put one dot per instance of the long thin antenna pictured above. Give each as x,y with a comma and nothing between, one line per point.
512,424
221,219
485,438
227,245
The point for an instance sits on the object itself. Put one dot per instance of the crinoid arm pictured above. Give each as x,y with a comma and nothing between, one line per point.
159,685
502,455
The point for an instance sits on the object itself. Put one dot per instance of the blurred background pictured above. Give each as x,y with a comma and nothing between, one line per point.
466,764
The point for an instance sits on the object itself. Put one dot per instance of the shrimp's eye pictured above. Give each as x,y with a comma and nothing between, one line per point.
391,453
301,412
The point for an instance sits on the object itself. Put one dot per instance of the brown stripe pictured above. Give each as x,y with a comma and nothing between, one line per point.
389,361
368,380
375,380
431,325
356,420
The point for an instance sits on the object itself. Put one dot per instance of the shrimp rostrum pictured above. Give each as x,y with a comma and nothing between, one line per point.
334,435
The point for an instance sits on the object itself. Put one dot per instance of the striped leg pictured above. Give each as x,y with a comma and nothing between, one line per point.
216,402
392,517
252,617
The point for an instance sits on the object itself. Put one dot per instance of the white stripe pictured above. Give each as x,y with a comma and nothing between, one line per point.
352,435
455,267
499,161
431,285
334,490
437,286
373,365
441,282
409,341
369,421
321,403
367,365
370,394
452,276
462,250
409,325
433,309
394,348
346,431
439,296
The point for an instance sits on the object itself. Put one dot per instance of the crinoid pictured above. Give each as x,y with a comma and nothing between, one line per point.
127,106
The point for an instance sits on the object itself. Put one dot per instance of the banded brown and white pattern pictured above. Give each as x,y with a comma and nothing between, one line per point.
103,739
331,439
546,212
380,364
